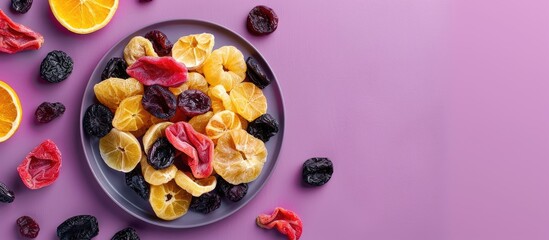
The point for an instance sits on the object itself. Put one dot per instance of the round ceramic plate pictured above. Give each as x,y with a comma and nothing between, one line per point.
112,181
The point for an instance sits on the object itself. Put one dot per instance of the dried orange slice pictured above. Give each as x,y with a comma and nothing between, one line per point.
157,177
199,122
120,150
195,187
194,81
193,50
249,101
136,48
130,115
169,201
11,112
110,92
83,16
225,66
219,93
222,122
153,133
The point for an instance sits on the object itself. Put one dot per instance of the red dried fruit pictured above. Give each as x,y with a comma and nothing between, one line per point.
28,227
198,147
41,166
161,44
16,37
286,221
164,71
262,20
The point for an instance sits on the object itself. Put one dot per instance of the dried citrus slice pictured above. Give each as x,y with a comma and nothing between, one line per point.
219,92
193,50
120,150
11,112
153,133
110,92
169,201
194,81
225,66
136,48
83,16
195,187
142,130
222,122
249,101
239,157
130,115
199,122
157,177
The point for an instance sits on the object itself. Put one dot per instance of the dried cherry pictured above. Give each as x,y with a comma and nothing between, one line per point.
161,44
56,66
21,6
256,74
97,120
197,147
317,171
194,102
6,195
28,227
286,221
16,37
159,102
164,71
78,227
41,166
232,192
206,203
262,20
115,68
126,234
136,181
48,111
162,154
263,127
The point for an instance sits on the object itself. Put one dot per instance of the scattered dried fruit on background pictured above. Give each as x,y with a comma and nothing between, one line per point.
285,221
126,234
262,20
41,166
48,111
16,37
78,227
6,195
28,227
21,6
56,66
317,171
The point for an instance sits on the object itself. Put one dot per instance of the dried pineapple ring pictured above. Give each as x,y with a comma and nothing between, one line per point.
110,92
199,122
194,186
153,133
136,48
194,81
222,122
225,66
157,177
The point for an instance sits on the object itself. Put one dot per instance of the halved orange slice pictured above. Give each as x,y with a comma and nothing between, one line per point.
83,16
11,112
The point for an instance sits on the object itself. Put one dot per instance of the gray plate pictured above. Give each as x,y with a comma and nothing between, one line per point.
112,181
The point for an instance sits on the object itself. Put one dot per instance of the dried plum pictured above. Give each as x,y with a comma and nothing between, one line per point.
6,195
48,111
232,192
97,120
262,20
194,102
126,234
263,127
162,154
159,102
256,74
136,181
161,44
206,203
78,228
21,6
56,66
28,227
317,171
116,68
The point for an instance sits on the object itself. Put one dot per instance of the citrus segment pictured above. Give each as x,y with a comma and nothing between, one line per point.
153,133
225,66
169,201
194,81
110,92
195,187
130,115
199,122
249,101
11,112
193,50
83,16
120,150
157,177
222,122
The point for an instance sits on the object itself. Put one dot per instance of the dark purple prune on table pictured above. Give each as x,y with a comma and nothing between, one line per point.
161,44
256,74
28,227
56,66
159,102
263,127
126,234
317,171
116,68
206,203
21,6
6,195
162,154
48,111
136,181
262,20
81,227
194,102
232,192
97,120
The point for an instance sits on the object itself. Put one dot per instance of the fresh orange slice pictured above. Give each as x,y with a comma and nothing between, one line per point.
225,66
194,81
110,92
195,187
157,177
83,16
130,115
120,150
11,112
154,132
169,201
199,122
249,101
192,50
222,122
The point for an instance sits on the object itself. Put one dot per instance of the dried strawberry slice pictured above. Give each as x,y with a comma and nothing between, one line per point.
164,71
16,37
286,221
198,147
41,166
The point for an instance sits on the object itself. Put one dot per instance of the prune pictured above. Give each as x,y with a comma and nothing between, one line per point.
136,181
194,102
97,120
285,221
164,71
6,195
126,234
317,171
256,74
78,228
206,203
232,192
116,68
41,166
262,20
21,6
28,227
56,66
162,154
161,44
48,111
263,127
159,102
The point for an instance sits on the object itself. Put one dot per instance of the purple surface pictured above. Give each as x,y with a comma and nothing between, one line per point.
434,113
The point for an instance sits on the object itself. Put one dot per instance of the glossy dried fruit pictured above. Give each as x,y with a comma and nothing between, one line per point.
136,181
137,48
162,154
41,166
206,203
198,147
112,91
159,102
126,234
194,102
56,66
115,68
317,171
232,192
81,227
256,74
6,195
161,44
28,227
195,187
164,71
286,221
262,20
16,37
21,6
48,111
97,120
263,127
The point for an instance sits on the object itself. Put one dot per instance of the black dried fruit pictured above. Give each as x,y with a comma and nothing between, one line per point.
232,192
262,20
206,203
6,195
28,227
161,44
256,74
162,154
136,181
159,102
21,6
317,171
97,120
116,68
56,66
126,234
81,227
263,127
48,111
194,102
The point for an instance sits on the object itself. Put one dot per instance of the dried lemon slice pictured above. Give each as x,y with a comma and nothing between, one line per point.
195,187
225,66
194,81
138,47
153,133
157,177
130,115
222,122
193,50
249,101
110,92
169,201
120,150
199,122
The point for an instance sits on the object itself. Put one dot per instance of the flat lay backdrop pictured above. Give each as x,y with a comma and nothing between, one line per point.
434,112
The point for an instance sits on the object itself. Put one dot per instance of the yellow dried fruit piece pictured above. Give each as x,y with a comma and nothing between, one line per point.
169,201
249,101
110,92
130,115
157,177
195,187
194,81
221,123
136,48
225,66
219,92
199,122
193,50
120,150
153,133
